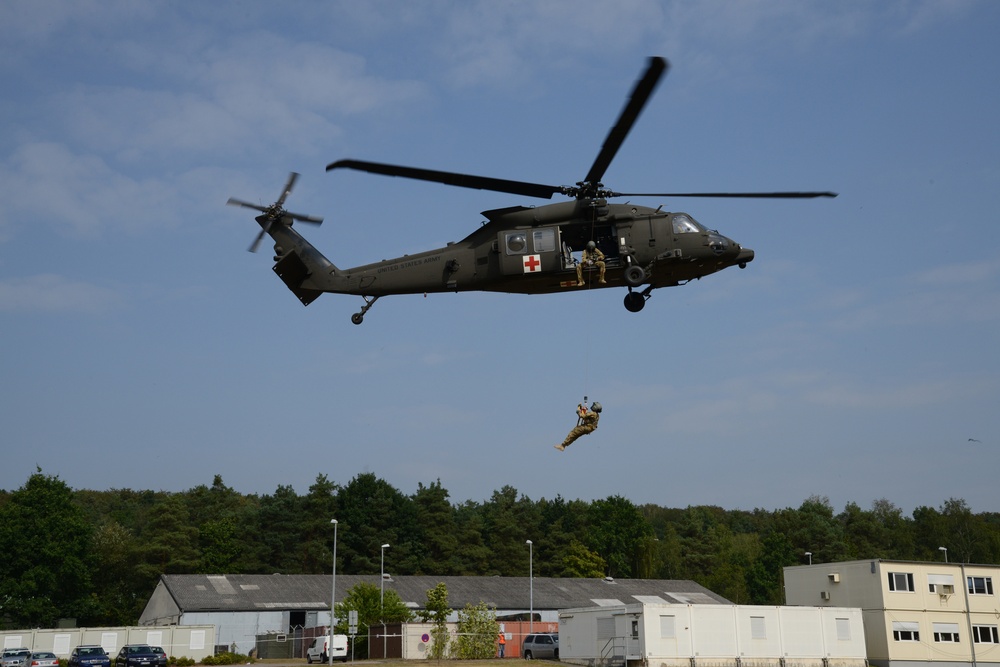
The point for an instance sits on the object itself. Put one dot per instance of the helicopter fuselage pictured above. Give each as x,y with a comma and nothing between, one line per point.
528,250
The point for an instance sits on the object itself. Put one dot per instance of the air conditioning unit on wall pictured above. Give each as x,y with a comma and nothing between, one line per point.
825,595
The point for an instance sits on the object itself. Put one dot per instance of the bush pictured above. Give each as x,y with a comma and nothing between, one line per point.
180,662
226,659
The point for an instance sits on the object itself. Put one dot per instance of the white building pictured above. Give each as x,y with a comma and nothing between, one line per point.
916,614
659,634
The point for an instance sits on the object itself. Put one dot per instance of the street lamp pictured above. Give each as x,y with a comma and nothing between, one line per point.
333,594
381,599
810,554
381,595
531,587
945,550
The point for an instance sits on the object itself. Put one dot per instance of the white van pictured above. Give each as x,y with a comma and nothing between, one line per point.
317,650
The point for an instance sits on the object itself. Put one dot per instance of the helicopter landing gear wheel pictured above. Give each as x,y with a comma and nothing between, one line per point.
634,275
359,317
634,302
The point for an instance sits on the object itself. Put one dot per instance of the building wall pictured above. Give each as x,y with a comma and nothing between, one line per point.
195,642
902,618
671,635
239,628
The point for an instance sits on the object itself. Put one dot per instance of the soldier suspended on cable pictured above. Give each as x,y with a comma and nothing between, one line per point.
586,423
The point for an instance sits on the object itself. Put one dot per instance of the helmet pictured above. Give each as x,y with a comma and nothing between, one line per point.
596,407
591,245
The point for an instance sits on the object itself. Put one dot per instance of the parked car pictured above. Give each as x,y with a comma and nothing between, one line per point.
543,646
89,655
161,654
317,651
14,657
42,659
137,655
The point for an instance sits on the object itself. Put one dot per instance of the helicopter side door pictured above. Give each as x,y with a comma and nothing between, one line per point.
529,251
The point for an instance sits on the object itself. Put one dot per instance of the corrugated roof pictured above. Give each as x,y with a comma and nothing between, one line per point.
246,592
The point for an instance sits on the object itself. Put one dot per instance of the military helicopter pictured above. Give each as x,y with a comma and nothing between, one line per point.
522,249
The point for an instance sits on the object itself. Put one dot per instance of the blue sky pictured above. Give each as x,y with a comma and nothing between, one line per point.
144,347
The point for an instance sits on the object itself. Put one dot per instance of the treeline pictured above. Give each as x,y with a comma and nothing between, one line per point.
96,555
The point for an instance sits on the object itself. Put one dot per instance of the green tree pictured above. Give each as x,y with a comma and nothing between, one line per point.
580,562
477,633
168,545
509,519
617,530
436,611
372,512
439,535
114,581
47,562
366,599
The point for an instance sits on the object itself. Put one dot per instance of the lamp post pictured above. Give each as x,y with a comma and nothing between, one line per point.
531,587
810,554
381,599
945,550
333,594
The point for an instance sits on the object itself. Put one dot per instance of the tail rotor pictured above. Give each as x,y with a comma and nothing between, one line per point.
275,213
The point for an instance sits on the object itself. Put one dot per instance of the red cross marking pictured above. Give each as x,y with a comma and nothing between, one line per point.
531,263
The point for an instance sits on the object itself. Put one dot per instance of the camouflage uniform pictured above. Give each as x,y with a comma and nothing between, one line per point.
587,424
591,255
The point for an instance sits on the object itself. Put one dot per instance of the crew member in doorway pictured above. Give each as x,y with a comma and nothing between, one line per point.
586,423
592,256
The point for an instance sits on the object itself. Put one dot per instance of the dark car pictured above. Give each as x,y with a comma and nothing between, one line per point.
544,646
161,654
89,655
137,655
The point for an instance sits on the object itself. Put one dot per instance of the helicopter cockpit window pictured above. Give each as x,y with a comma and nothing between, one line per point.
517,243
544,240
684,225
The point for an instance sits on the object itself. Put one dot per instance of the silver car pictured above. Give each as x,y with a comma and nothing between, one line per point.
42,659
543,646
14,657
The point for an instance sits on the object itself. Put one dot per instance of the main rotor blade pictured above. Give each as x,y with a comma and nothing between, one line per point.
640,95
238,202
451,178
734,195
311,219
292,177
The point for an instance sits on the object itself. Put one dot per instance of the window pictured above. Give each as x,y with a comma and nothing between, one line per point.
844,629
901,581
943,584
544,240
985,634
946,632
667,630
684,225
980,585
757,629
905,631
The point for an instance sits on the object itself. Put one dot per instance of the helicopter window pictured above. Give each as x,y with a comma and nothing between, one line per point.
684,225
544,240
517,243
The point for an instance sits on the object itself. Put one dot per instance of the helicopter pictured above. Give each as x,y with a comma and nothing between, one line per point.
526,249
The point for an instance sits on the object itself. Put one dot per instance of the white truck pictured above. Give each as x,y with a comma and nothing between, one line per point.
317,651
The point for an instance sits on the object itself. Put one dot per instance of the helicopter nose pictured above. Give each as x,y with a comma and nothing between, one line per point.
746,255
